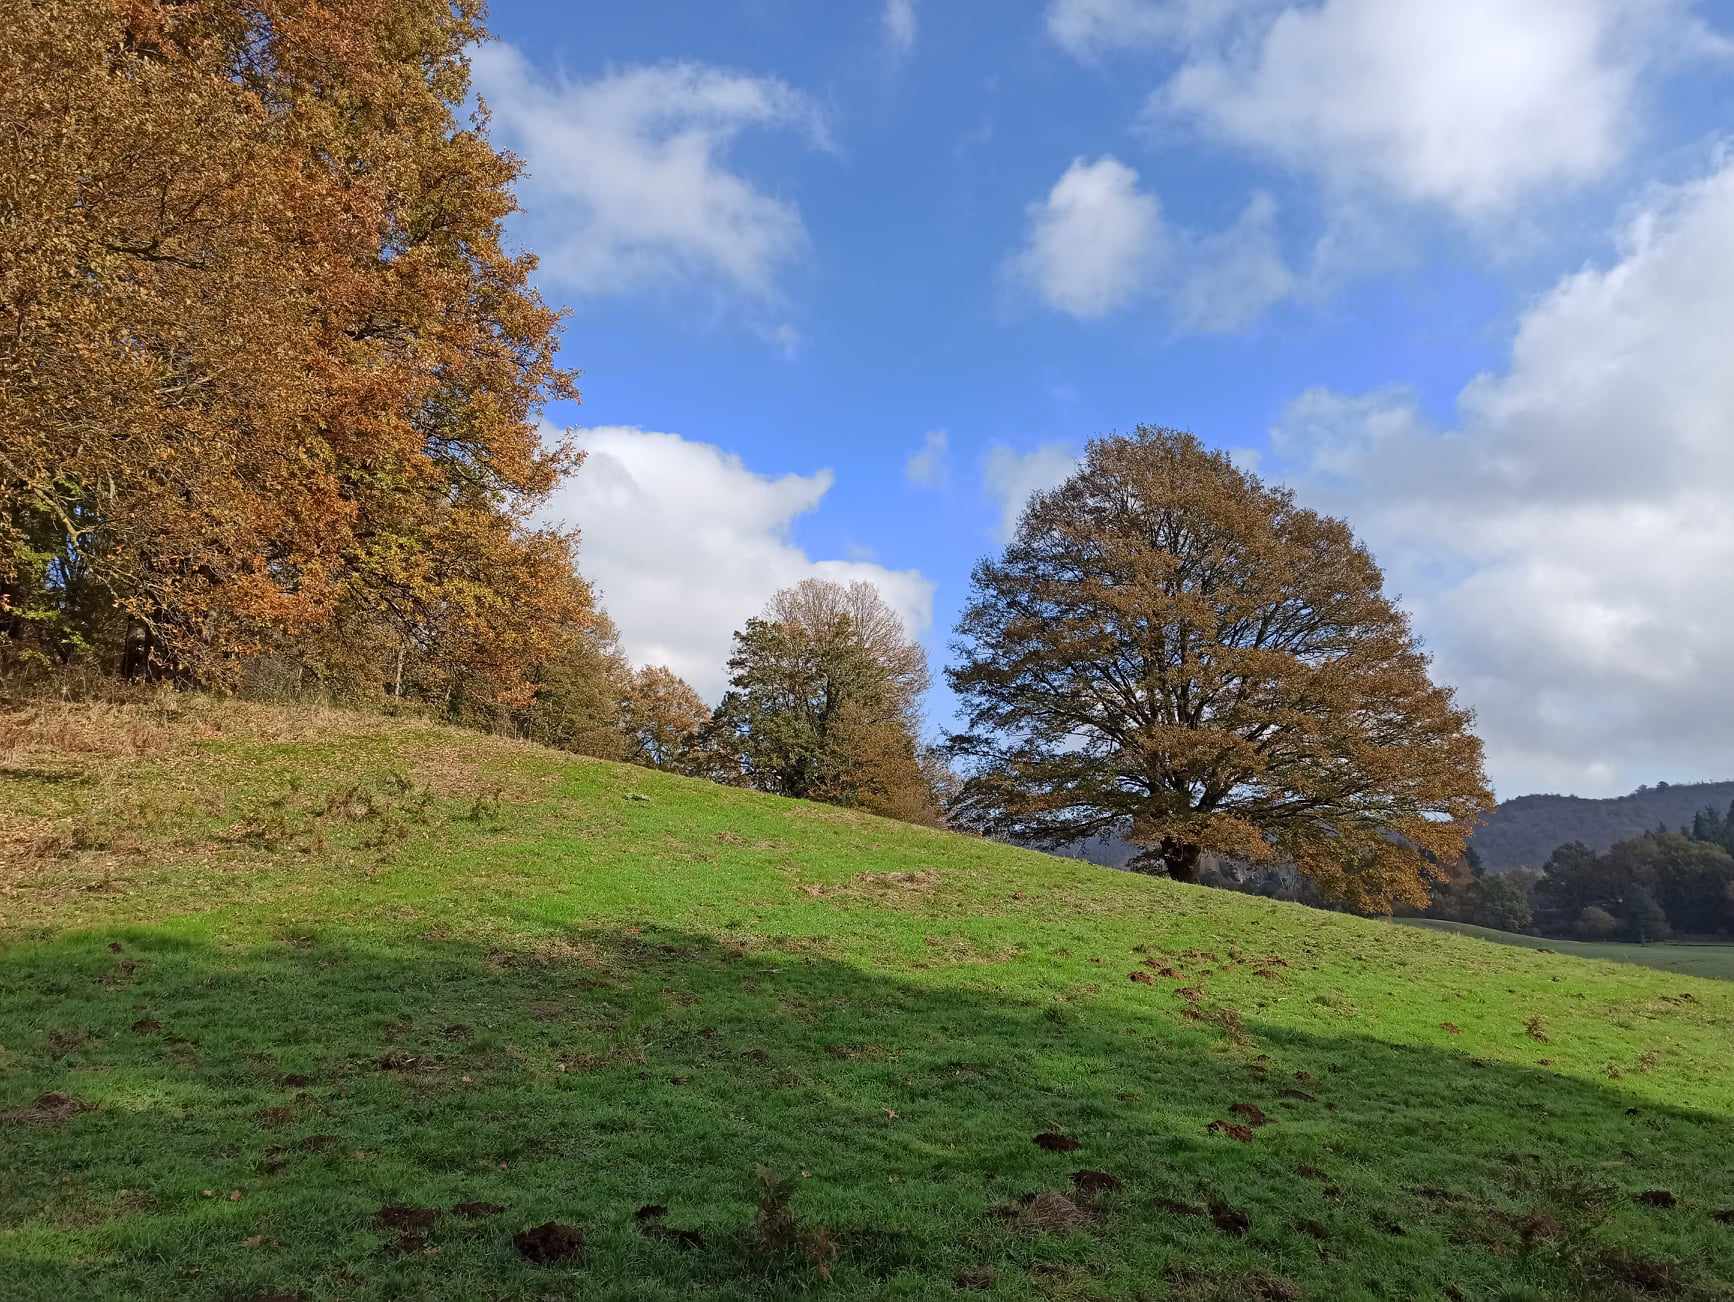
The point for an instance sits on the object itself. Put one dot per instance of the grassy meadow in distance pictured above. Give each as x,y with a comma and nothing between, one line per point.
298,1003
1694,958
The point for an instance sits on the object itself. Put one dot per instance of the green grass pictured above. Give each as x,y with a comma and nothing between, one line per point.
289,969
1696,959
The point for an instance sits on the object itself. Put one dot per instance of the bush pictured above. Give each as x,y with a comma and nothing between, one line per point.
1596,924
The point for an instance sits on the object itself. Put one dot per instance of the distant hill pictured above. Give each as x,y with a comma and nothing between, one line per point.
1523,832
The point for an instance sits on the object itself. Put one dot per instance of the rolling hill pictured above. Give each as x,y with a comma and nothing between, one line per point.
1523,832
307,1004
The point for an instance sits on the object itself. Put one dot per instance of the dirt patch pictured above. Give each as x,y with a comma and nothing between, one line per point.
1638,1274
549,1243
1301,1095
1091,1183
1233,1130
1230,1220
1250,1113
1176,1208
1043,1213
271,1118
476,1211
1142,977
976,1277
294,1081
51,1109
1658,1198
395,1216
146,1026
1313,1230
1051,1142
1538,1227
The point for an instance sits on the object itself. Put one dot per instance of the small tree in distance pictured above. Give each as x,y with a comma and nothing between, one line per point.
1171,649
662,718
823,704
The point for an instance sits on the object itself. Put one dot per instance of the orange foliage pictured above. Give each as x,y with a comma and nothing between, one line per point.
268,378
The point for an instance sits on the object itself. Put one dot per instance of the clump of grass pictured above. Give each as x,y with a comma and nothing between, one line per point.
778,1234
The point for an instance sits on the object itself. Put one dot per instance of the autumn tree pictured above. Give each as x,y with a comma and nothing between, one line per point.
1172,649
822,703
663,719
269,382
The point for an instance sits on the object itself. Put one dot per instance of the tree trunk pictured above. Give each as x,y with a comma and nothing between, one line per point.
1181,860
135,656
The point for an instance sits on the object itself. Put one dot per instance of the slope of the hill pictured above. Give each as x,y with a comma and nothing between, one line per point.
1523,832
318,1005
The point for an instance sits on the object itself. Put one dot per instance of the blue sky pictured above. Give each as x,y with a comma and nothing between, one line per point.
802,244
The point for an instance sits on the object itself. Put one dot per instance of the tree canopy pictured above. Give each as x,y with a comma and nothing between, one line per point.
823,704
269,380
1171,649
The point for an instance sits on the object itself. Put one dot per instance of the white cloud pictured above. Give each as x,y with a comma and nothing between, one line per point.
900,24
1098,243
929,466
684,543
1010,477
1090,28
1567,546
1228,279
629,183
1093,242
1473,104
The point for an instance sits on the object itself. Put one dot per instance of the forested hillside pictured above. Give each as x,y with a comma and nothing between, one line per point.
1523,832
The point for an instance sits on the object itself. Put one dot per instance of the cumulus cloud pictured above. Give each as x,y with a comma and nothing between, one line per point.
899,21
1093,241
1473,105
629,181
1566,543
1010,477
1098,243
929,466
685,542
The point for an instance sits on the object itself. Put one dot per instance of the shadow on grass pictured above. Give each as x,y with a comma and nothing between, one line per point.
249,1111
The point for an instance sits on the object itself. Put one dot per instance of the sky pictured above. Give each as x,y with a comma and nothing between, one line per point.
847,282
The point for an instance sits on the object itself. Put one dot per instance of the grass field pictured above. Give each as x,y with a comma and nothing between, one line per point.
1705,960
315,1005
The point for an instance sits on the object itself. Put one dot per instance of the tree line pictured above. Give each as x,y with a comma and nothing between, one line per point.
271,389
1645,888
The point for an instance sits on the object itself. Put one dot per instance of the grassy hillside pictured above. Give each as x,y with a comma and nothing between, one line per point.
1705,960
1524,832
314,1005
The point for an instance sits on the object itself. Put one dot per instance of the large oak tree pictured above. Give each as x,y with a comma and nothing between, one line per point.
1172,650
